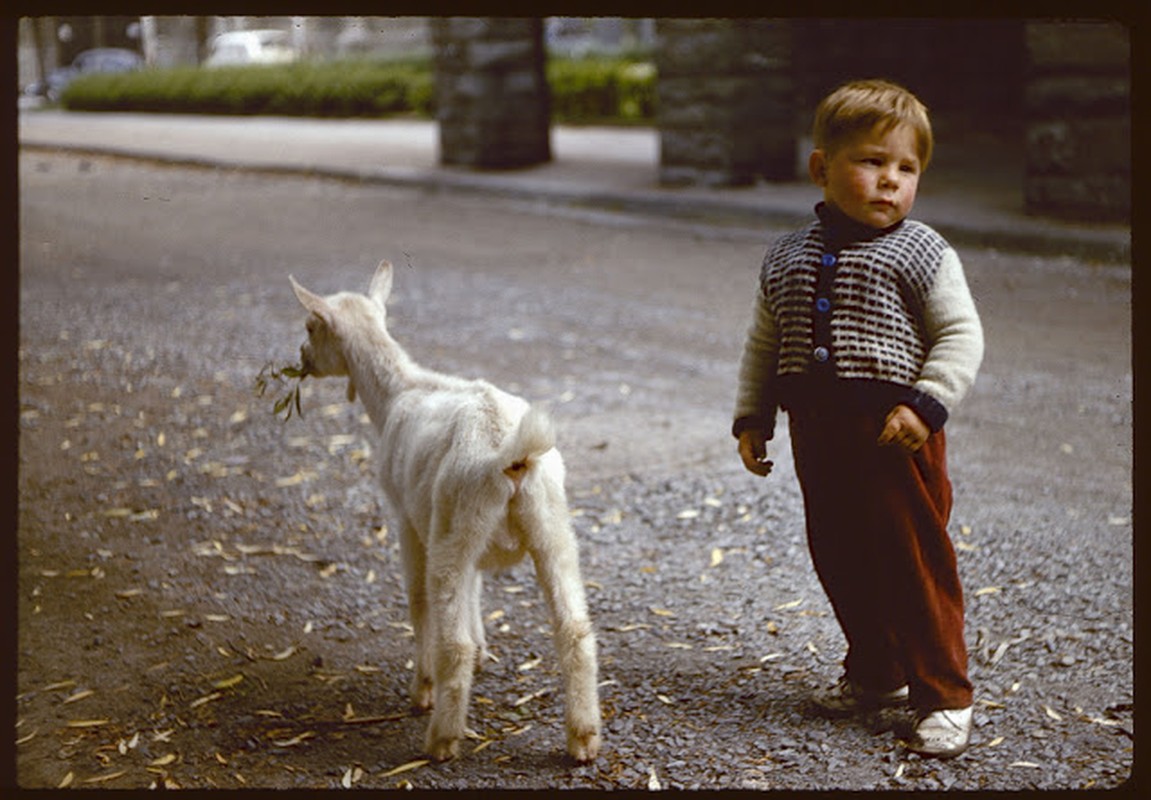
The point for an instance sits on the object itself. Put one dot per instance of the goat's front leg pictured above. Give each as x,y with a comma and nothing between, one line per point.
415,561
454,653
479,637
557,569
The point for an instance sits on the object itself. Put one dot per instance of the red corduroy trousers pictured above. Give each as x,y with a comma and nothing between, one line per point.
877,528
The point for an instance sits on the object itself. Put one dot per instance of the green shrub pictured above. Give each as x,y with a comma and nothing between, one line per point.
583,90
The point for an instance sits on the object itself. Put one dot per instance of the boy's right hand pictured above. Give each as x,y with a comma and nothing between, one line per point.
753,451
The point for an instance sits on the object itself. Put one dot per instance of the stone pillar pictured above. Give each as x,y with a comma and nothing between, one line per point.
725,110
172,41
492,98
1077,100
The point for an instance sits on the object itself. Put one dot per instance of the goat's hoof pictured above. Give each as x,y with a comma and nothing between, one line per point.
443,749
584,747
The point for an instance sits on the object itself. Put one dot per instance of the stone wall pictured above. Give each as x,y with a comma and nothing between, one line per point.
725,101
492,98
1078,121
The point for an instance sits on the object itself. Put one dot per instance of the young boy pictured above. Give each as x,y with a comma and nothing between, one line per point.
865,332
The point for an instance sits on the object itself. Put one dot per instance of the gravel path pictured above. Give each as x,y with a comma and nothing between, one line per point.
209,597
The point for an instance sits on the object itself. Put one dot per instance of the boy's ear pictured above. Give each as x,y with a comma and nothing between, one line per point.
817,167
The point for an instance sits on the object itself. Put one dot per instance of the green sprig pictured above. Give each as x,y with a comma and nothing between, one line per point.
290,401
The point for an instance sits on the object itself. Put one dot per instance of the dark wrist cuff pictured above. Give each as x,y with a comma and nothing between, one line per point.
930,410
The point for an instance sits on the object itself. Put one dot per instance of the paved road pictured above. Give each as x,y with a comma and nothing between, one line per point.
150,297
972,193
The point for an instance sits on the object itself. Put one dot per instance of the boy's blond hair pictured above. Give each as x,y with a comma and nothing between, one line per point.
859,106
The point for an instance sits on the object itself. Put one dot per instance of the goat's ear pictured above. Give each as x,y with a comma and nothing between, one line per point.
381,285
312,302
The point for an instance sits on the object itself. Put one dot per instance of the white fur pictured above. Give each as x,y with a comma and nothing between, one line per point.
475,482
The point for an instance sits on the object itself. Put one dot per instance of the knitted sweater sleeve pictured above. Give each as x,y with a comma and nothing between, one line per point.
756,401
955,336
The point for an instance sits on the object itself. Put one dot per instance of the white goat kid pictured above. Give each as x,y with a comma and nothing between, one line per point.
475,482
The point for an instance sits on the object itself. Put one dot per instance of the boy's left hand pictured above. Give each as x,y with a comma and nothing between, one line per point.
905,428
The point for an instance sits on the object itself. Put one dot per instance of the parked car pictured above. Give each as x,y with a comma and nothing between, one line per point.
99,59
250,47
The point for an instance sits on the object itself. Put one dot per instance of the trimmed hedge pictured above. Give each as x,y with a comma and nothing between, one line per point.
330,89
583,90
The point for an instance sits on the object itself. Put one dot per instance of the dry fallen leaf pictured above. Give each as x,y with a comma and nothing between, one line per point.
527,698
295,740
61,685
80,695
653,783
228,683
716,557
406,767
205,699
285,654
102,778
87,723
292,480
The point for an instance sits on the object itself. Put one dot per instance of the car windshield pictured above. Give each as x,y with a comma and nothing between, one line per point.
104,60
273,38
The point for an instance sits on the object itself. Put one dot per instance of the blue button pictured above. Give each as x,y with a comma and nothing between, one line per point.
829,259
821,354
823,305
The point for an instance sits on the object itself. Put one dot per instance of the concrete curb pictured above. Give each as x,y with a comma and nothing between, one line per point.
1036,237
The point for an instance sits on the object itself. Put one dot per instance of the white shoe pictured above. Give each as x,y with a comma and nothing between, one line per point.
942,734
847,698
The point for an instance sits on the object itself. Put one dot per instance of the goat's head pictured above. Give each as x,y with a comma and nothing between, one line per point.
331,319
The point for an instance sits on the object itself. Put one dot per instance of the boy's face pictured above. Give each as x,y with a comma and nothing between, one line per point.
872,178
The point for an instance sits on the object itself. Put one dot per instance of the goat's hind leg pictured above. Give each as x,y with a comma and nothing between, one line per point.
451,582
557,569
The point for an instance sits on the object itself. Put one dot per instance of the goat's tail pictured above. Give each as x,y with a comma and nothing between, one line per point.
533,437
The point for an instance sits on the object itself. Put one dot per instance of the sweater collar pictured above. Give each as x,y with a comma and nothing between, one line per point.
840,230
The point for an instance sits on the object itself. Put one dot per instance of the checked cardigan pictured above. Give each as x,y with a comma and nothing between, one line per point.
851,314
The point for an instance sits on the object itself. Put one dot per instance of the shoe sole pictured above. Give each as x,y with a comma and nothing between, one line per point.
941,754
